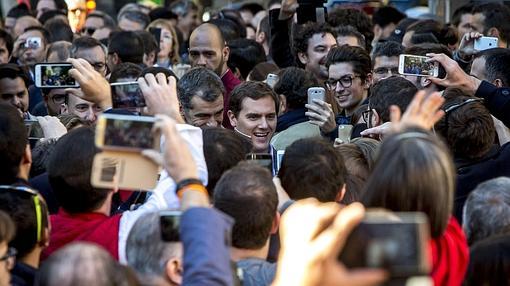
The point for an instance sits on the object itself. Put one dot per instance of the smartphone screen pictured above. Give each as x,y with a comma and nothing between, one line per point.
263,159
125,132
397,243
417,65
127,95
54,76
169,224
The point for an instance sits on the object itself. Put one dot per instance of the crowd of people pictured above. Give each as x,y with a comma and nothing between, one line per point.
235,88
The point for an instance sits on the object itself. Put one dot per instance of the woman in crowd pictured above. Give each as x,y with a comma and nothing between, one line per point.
168,54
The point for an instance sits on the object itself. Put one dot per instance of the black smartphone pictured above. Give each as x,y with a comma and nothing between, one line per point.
169,224
127,95
311,11
396,242
263,159
156,32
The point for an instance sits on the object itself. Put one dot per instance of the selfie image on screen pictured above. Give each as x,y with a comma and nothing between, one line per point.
127,96
127,133
56,76
418,66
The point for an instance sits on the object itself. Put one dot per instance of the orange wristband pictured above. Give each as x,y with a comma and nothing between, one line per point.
192,187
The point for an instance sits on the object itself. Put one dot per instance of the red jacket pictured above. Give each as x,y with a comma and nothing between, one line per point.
90,227
450,256
230,81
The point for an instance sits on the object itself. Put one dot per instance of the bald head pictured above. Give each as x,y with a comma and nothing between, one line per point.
22,23
207,49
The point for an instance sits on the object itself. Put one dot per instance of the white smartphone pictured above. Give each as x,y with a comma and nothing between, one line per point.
485,43
417,66
279,158
271,79
316,93
54,76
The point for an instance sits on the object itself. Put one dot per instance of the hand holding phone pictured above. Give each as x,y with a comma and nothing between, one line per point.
417,66
271,79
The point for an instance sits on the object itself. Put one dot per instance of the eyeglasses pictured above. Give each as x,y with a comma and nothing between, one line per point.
345,82
37,203
59,98
386,70
448,110
89,31
10,257
99,66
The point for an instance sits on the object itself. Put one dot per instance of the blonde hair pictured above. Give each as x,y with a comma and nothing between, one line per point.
174,54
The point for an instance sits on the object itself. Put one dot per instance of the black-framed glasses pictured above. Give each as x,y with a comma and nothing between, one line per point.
59,98
99,66
345,81
10,257
37,203
449,109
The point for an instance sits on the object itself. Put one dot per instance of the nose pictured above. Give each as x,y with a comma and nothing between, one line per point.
91,115
212,122
263,124
201,61
15,101
339,87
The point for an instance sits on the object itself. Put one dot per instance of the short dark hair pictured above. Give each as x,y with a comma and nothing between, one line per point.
46,35
303,33
181,7
19,10
248,186
200,82
387,15
244,55
162,13
59,30
13,142
222,150
487,210
469,129
49,15
445,34
312,168
413,172
394,90
7,38
494,67
108,21
355,18
228,28
69,171
7,228
136,16
497,16
22,209
358,57
425,48
234,17
127,45
254,90
85,42
488,262
387,49
14,71
261,70
462,10
293,83
149,42
125,70
350,31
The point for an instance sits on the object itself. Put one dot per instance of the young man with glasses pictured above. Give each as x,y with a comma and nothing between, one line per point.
92,51
349,79
385,60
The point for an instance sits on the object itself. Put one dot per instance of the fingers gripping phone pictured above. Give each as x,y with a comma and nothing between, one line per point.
271,79
417,66
54,76
397,242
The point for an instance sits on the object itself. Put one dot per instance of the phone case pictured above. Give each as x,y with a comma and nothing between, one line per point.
485,43
316,93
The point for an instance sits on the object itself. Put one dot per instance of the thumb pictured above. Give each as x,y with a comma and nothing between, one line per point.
154,156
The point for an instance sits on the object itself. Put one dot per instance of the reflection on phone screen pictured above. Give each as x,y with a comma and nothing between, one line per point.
127,133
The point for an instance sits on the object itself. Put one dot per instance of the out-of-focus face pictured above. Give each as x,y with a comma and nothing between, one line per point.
256,119
31,55
54,100
128,25
165,43
385,67
478,68
95,56
44,6
205,114
190,21
5,274
22,23
315,58
9,24
406,40
15,93
349,89
86,110
4,53
348,40
205,50
477,23
91,25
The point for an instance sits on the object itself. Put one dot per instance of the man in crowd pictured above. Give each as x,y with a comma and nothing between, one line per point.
488,66
187,20
124,46
207,48
200,93
13,88
385,60
6,45
249,186
494,19
31,47
92,51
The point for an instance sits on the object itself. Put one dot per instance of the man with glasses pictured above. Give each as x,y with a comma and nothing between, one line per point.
349,79
92,51
98,25
86,110
385,60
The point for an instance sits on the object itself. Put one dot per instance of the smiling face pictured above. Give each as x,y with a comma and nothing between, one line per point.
256,119
315,58
205,114
349,97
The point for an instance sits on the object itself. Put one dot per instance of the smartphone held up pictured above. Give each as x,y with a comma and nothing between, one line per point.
55,75
417,66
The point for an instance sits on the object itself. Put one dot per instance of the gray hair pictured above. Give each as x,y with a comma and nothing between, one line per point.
200,82
182,7
146,252
487,210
